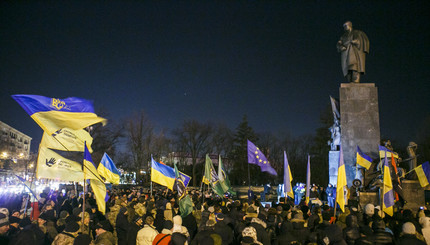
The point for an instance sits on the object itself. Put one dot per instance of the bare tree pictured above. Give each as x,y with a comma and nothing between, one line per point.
140,132
194,137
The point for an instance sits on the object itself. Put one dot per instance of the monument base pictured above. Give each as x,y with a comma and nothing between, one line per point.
333,164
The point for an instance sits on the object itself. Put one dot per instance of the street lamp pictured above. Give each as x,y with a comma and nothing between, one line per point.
4,154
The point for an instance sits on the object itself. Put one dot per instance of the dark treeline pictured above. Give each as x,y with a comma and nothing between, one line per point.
132,141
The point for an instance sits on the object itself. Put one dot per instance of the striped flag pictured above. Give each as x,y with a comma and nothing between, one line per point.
388,198
341,182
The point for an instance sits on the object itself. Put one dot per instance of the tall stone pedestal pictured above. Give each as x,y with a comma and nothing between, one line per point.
333,164
359,115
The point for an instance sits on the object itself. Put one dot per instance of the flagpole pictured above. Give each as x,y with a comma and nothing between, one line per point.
249,178
83,200
31,184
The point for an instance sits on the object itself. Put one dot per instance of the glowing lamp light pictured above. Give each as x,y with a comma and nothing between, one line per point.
4,154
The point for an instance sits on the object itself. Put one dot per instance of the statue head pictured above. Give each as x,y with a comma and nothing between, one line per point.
347,26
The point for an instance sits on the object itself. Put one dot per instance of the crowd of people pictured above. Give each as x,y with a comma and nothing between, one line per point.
137,216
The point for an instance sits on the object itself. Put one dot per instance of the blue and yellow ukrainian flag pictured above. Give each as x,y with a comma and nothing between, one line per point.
388,198
287,178
162,174
423,173
97,185
385,152
341,182
53,114
363,159
107,170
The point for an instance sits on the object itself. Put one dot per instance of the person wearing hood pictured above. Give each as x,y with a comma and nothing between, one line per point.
179,228
425,224
122,225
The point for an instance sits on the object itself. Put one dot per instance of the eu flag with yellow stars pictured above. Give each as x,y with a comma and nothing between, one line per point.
255,156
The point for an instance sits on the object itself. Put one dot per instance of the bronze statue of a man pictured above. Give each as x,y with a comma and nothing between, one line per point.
353,46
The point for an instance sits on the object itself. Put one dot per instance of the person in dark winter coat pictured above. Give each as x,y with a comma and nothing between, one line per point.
222,229
133,230
260,226
285,236
122,225
331,231
408,237
379,236
206,231
299,230
351,233
190,223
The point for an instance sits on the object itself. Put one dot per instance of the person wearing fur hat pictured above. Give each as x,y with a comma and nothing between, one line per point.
104,234
147,234
408,236
67,237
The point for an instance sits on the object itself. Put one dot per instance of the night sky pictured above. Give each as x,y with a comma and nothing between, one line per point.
275,61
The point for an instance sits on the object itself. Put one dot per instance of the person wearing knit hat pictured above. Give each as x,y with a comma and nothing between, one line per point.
68,235
104,233
409,237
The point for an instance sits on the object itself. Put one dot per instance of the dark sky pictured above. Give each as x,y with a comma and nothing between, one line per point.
275,61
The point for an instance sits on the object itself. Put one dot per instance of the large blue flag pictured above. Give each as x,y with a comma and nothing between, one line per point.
255,156
363,159
165,175
53,114
423,173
